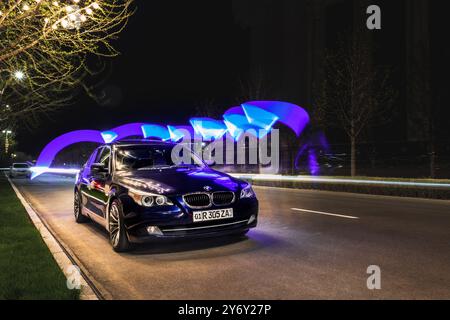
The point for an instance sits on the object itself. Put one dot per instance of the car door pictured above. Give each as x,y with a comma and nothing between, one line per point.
85,181
92,183
98,182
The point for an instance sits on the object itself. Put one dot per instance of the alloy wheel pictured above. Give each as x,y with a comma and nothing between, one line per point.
114,225
76,205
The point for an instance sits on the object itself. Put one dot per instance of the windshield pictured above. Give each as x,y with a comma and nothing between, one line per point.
149,157
20,166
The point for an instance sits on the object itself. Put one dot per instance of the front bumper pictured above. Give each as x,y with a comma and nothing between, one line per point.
177,222
223,229
20,173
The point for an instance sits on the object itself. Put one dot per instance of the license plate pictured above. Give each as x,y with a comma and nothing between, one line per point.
209,215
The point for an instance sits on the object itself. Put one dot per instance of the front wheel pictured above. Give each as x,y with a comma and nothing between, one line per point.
77,208
117,233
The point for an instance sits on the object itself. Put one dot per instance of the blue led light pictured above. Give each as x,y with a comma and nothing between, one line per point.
155,131
259,117
289,114
209,129
238,124
178,133
233,129
109,136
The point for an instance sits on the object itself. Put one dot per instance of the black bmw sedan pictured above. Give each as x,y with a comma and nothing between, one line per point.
136,191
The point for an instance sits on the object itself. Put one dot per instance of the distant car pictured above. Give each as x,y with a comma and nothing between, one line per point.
20,170
137,193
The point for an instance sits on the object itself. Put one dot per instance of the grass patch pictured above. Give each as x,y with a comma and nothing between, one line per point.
27,268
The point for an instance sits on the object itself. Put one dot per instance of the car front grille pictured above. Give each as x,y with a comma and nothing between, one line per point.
223,198
205,200
197,200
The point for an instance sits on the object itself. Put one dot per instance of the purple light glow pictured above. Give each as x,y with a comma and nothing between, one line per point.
314,167
289,114
51,150
209,129
179,132
259,117
155,131
252,115
128,130
238,124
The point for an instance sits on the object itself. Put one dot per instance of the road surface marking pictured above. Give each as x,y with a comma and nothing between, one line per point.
325,213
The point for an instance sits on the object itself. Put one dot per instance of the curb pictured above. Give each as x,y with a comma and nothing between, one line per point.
60,254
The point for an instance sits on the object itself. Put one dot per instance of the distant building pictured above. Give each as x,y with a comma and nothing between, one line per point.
288,40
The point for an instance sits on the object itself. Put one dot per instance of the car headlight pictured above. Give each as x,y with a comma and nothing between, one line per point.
247,192
149,199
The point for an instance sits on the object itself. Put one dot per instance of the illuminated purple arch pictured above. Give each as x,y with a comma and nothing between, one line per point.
178,133
119,133
255,115
289,114
155,131
54,147
264,115
209,129
237,123
128,130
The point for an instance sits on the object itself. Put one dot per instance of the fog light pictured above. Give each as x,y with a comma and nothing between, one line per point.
154,231
252,219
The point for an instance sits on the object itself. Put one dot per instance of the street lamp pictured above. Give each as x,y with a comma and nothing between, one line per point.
6,133
19,75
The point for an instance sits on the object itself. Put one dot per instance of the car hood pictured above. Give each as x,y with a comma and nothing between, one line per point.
178,180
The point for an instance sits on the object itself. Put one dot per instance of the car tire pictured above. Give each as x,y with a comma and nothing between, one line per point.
77,208
117,233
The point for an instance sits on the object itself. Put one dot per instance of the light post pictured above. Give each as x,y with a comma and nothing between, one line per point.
18,75
6,133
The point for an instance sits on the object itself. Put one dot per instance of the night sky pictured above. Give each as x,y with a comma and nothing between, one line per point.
177,55
174,56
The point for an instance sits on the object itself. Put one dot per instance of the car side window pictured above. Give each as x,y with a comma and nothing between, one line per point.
104,156
91,159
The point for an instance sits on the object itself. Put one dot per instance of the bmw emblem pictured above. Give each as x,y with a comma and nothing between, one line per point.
207,188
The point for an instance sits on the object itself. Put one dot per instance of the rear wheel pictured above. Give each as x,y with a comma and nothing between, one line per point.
77,208
117,233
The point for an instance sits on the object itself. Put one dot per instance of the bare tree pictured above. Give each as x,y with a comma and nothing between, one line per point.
354,91
422,118
44,50
254,87
208,107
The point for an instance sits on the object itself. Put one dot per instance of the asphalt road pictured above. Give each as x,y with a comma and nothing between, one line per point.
293,254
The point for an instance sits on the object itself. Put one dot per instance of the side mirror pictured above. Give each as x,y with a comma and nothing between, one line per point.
210,163
99,168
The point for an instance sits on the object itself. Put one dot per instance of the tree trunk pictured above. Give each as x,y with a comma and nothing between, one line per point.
432,160
353,157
